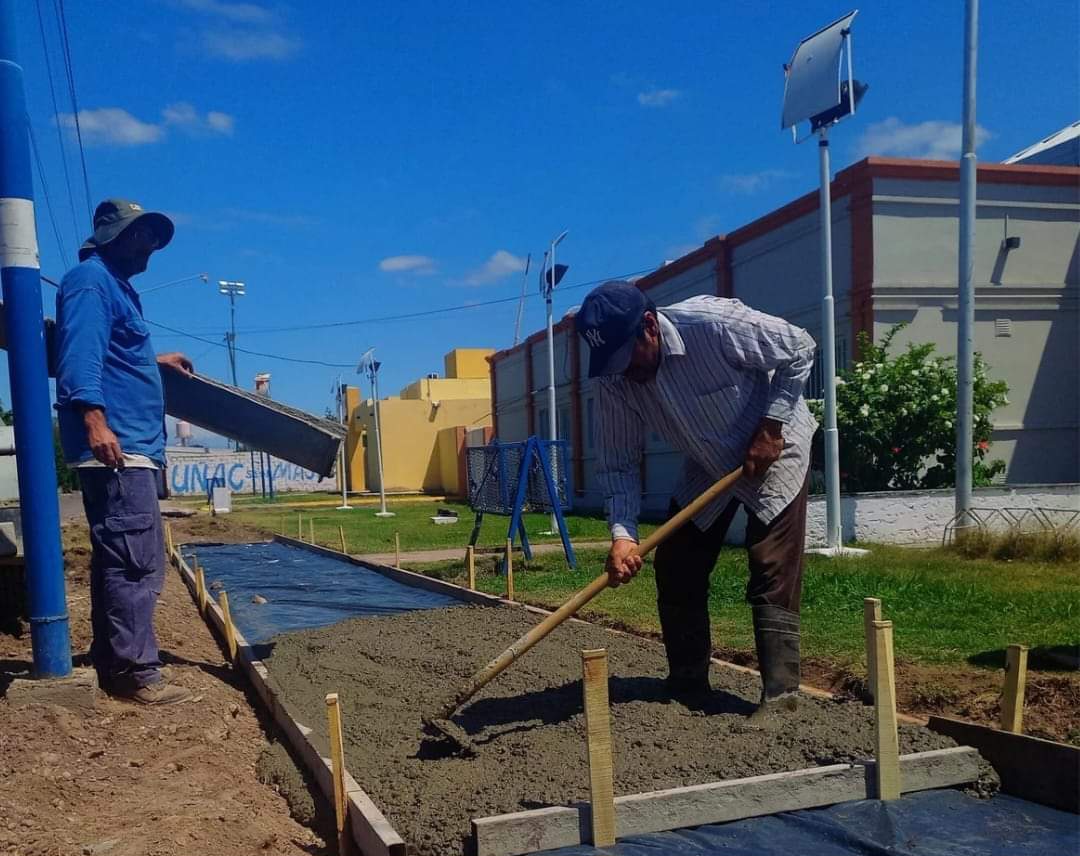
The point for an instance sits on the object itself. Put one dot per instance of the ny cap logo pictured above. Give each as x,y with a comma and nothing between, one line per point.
593,337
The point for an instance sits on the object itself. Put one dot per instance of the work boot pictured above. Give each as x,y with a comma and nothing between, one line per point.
157,693
776,636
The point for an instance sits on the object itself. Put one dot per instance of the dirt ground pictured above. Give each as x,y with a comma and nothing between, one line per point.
529,724
134,781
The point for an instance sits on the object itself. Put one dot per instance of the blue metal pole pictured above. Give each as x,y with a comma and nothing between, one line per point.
27,367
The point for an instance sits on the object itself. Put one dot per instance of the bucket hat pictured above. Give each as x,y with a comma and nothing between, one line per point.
113,216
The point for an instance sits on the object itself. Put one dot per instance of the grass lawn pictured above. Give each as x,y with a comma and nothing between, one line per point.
945,609
366,533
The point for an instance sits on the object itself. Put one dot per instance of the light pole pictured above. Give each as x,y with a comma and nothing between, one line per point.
965,327
815,92
551,276
341,418
370,366
233,290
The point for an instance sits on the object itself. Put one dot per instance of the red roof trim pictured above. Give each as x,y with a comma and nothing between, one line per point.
853,179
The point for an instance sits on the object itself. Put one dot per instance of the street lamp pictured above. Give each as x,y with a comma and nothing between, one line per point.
370,366
815,91
233,290
549,280
339,389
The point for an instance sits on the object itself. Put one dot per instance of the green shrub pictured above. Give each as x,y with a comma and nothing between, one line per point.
896,418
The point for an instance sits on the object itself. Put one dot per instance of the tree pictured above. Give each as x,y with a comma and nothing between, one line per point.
895,416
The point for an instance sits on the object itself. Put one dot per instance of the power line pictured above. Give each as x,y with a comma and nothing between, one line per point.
45,191
425,313
56,119
62,21
252,353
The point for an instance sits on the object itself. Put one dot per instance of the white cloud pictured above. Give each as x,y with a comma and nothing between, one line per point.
184,116
933,139
408,264
654,97
242,32
112,126
501,263
242,45
751,182
244,13
117,127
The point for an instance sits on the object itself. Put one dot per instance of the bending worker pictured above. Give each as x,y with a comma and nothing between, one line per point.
112,428
723,384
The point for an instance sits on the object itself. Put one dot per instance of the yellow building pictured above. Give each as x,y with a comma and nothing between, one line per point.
423,429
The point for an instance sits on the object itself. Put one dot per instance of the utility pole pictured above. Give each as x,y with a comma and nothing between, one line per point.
965,327
341,457
233,290
370,366
20,274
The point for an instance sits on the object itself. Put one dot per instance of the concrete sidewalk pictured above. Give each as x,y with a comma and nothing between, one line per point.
419,556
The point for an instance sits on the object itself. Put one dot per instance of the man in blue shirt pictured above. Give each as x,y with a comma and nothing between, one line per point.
112,429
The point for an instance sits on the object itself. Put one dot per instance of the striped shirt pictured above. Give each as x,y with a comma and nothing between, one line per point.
724,367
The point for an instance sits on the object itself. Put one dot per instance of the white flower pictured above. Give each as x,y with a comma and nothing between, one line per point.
914,372
948,423
903,411
879,367
841,382
865,410
933,398
883,388
944,392
867,376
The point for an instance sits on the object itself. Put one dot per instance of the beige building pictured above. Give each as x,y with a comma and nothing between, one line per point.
424,429
895,234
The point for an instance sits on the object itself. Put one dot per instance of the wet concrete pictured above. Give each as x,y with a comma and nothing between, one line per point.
528,724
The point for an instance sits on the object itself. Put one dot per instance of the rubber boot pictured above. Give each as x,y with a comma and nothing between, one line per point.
688,644
776,636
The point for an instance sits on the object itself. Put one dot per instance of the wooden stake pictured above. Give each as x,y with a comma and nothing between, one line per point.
341,535
311,528
299,526
337,762
871,613
1012,705
200,589
470,565
397,550
887,754
598,740
509,569
230,631
168,539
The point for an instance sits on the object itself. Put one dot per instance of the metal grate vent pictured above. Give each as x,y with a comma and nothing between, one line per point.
1002,326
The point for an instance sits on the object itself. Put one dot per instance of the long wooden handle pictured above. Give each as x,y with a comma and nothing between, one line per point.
660,534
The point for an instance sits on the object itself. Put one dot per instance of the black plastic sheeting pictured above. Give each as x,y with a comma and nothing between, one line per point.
931,823
302,589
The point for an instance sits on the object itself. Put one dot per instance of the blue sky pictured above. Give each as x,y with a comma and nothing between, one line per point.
362,161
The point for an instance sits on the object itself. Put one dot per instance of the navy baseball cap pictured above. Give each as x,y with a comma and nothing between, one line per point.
609,321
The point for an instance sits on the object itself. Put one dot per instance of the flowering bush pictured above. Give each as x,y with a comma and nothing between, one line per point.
895,417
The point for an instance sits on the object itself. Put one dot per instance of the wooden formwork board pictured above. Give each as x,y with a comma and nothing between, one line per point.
1031,768
372,832
719,802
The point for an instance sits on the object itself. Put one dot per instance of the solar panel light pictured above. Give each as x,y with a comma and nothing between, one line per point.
816,90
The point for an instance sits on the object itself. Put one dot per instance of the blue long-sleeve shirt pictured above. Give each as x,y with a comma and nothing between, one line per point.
104,359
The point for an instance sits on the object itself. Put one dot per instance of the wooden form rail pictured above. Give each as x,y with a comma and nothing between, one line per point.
719,802
370,830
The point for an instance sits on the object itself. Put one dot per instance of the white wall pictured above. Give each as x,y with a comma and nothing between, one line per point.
918,517
188,474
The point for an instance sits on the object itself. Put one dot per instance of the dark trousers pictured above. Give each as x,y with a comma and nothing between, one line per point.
684,562
127,570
